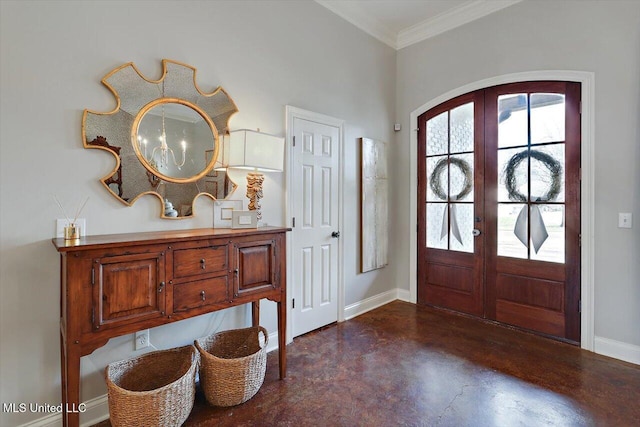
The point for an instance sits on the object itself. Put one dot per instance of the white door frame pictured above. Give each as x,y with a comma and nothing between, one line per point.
291,114
587,164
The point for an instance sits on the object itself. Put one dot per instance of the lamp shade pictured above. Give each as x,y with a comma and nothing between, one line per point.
249,149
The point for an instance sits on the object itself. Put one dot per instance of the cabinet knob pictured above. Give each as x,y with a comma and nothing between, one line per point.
161,287
202,295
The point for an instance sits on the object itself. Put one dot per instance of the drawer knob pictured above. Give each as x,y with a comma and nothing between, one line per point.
202,264
202,295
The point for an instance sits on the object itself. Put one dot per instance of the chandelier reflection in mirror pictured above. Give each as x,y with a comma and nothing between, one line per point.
159,158
162,153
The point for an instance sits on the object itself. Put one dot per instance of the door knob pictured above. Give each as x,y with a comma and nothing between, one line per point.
335,234
476,232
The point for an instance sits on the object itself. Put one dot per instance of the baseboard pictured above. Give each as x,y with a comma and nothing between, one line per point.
273,342
618,350
405,295
96,410
370,303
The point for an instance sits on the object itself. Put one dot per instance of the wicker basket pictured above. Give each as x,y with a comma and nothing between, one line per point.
233,364
155,389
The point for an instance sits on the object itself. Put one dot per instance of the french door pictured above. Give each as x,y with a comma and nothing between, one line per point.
499,206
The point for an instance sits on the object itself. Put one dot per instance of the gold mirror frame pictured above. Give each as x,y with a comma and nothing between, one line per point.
116,132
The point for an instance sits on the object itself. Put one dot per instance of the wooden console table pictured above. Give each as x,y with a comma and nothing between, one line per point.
118,284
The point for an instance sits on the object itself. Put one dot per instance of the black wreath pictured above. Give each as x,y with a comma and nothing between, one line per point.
436,184
552,164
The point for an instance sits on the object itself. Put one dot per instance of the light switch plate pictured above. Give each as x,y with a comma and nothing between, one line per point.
62,223
625,220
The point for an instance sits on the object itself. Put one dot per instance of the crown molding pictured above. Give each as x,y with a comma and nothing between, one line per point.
432,27
364,21
449,20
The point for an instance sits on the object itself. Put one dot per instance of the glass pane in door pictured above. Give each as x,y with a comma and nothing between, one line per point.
552,249
461,227
437,225
510,214
547,117
438,176
438,134
512,120
461,177
462,128
513,175
547,173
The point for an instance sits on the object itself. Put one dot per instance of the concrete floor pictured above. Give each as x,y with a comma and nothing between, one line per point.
405,365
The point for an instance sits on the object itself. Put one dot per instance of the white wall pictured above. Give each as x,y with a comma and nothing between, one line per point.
595,36
53,55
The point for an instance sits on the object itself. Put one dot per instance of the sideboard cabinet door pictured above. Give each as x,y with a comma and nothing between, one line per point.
256,268
128,289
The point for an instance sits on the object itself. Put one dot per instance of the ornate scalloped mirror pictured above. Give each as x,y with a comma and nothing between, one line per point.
165,136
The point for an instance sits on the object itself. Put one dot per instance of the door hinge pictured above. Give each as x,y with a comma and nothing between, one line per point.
294,140
580,306
293,221
579,239
93,276
293,303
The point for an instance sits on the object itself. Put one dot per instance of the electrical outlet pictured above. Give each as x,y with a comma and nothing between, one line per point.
142,339
62,223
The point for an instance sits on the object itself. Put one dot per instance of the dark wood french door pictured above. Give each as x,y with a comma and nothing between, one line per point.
499,206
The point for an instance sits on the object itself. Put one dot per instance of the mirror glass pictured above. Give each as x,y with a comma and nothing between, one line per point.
162,167
173,140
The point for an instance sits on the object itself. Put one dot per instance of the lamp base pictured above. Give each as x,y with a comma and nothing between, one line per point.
254,192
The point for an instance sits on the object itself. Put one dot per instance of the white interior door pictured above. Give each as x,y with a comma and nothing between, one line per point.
315,208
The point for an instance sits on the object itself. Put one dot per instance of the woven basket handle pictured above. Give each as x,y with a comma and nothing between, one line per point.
266,336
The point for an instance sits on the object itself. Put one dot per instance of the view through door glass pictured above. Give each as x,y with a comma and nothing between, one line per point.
509,197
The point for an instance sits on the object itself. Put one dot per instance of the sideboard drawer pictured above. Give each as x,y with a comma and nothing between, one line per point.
200,293
199,261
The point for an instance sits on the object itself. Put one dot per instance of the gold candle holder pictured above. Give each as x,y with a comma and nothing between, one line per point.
72,232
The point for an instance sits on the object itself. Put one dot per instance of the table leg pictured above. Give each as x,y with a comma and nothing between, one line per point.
255,313
282,338
70,372
63,380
